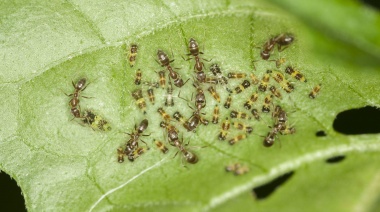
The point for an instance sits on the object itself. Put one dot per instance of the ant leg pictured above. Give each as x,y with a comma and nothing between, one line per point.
147,147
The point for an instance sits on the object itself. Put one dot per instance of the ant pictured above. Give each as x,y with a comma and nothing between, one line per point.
164,60
194,51
281,40
74,102
190,157
132,144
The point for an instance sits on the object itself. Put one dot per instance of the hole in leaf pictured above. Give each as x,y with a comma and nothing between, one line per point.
264,191
320,133
10,195
373,3
363,120
336,159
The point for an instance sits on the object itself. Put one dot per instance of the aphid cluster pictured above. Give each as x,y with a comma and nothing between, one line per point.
261,91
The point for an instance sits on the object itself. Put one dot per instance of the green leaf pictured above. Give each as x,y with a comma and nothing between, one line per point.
61,164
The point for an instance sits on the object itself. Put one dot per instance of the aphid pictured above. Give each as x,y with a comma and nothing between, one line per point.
133,142
214,93
254,79
237,169
164,115
190,157
151,84
285,84
255,114
242,126
280,61
120,154
132,55
267,102
136,153
200,98
288,130
214,68
162,80
315,91
161,146
264,82
140,101
295,74
211,80
239,115
74,102
236,75
275,92
244,85
194,51
169,101
237,138
224,131
164,60
215,115
227,104
96,122
284,39
177,115
138,77
151,95
252,99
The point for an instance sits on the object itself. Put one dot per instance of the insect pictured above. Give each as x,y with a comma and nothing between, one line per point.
120,154
162,80
252,99
279,62
136,153
190,157
224,131
140,101
194,51
267,102
161,146
254,79
315,91
239,115
295,74
288,130
215,116
151,95
132,144
237,138
236,75
227,104
177,115
285,85
264,82
138,77
211,80
151,84
214,93
164,60
74,102
214,68
242,126
194,121
169,101
255,114
200,98
275,92
237,169
244,85
96,122
269,139
164,115
282,40
132,55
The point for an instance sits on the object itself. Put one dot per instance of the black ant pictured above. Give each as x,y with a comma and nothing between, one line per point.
74,102
194,51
